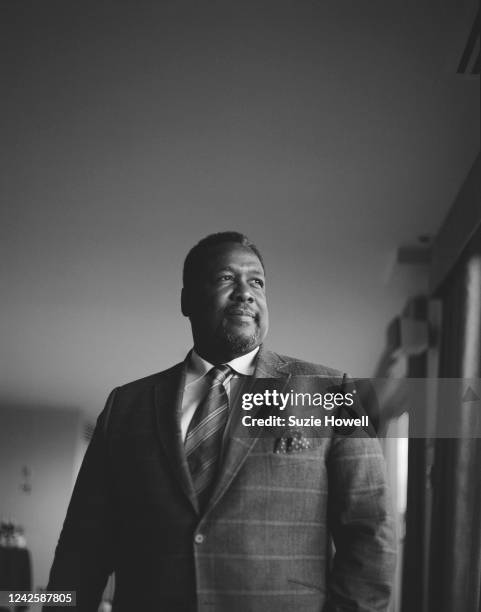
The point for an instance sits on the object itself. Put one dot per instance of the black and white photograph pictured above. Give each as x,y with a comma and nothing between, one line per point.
241,306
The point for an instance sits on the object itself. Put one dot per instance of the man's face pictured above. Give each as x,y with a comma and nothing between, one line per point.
227,305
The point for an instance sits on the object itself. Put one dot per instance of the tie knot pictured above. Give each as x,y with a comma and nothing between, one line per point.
220,373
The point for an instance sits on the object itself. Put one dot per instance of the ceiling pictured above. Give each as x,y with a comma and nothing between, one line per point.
329,132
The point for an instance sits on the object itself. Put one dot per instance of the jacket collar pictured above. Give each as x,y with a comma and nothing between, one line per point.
269,364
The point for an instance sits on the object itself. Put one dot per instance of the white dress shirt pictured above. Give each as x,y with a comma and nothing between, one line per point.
197,384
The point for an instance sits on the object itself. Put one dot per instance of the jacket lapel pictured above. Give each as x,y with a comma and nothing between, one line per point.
268,365
168,404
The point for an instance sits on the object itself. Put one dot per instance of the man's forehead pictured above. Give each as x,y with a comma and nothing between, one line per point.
232,255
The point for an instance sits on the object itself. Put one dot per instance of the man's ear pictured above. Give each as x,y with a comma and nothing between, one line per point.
185,303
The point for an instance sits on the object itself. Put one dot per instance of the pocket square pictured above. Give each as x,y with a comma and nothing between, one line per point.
291,442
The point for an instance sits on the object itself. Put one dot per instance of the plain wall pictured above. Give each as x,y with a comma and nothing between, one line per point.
48,442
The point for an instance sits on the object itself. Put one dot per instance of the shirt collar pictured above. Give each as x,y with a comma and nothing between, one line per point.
197,366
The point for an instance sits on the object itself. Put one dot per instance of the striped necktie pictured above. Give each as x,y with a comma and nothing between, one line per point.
203,441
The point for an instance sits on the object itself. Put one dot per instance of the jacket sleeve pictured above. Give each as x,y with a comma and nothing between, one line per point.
84,553
362,527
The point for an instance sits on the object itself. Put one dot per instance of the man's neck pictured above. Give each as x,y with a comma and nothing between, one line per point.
219,357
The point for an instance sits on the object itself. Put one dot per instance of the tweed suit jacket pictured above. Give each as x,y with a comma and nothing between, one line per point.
263,542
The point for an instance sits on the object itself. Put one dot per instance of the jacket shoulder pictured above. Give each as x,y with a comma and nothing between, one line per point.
151,380
294,365
125,398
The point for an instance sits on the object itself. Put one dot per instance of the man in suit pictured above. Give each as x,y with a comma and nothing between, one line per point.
194,517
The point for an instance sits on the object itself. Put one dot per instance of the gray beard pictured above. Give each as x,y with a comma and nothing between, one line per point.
240,344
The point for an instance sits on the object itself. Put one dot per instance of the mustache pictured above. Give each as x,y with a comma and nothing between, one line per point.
237,310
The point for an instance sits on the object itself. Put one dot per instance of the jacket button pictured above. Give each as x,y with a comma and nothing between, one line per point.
199,538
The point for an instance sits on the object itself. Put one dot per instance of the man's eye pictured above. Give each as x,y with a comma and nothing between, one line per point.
258,282
225,277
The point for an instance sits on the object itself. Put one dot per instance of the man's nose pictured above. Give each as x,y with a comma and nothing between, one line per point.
242,292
